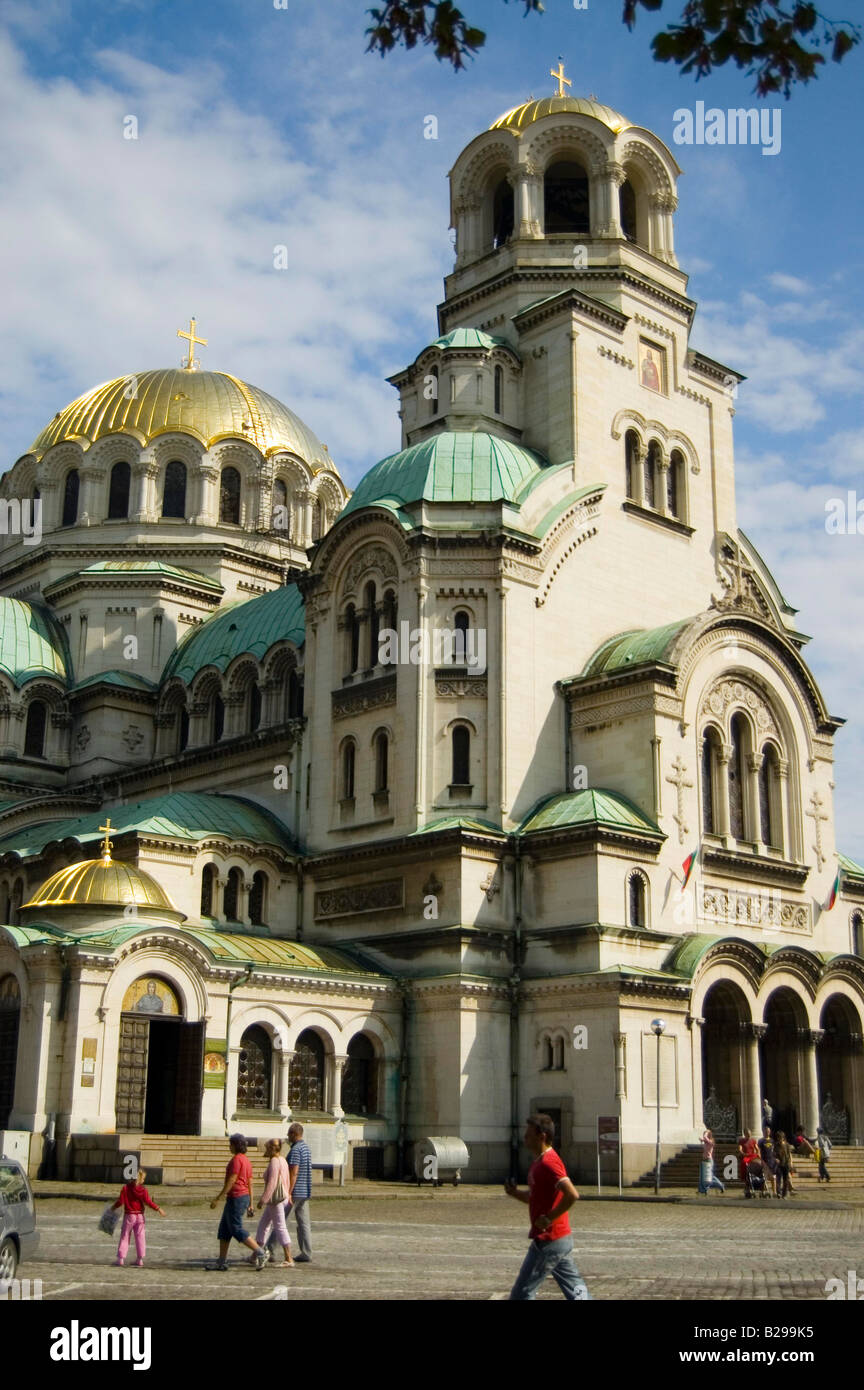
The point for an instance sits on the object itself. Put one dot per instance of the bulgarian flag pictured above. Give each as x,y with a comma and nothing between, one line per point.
832,896
688,866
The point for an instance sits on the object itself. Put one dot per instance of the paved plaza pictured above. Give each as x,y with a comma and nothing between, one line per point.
467,1245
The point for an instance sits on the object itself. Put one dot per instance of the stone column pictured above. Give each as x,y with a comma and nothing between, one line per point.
695,1025
469,231
620,1066
637,473
219,886
782,807
809,1040
721,801
662,236
51,497
283,1083
142,499
303,537
243,904
336,1097
208,496
661,482
751,1102
528,202
605,200
92,506
753,818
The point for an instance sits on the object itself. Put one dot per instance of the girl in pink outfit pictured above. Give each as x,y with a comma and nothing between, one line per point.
273,1217
133,1198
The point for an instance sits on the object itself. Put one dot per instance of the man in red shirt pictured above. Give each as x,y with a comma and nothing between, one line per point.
550,1196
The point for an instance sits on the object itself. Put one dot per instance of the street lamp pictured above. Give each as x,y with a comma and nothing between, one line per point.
658,1028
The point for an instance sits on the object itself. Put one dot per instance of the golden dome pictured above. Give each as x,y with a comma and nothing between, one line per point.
100,882
531,111
209,405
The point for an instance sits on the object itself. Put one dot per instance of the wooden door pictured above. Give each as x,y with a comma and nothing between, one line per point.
132,1072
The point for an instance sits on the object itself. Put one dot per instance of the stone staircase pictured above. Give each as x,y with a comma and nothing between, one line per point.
192,1158
846,1168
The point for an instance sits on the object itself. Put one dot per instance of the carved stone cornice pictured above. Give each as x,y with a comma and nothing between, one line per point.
368,695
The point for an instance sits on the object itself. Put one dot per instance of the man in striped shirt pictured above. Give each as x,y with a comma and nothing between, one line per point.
300,1169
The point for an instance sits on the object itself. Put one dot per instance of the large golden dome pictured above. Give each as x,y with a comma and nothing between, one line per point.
101,882
209,405
531,111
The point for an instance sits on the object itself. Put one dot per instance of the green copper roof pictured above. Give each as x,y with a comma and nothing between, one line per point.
253,626
152,567
471,338
459,823
634,648
177,815
686,955
31,642
275,951
454,466
126,679
591,806
849,866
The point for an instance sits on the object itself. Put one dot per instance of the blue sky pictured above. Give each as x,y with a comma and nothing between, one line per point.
260,127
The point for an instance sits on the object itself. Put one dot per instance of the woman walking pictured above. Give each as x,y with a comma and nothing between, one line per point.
237,1191
275,1200
748,1152
783,1154
707,1180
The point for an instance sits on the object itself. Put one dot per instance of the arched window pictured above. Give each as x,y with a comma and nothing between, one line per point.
358,1079
258,898
317,519
71,488
631,457
182,729
433,395
231,903
710,748
295,695
675,485
650,485
768,827
565,199
548,1057
348,771
118,491
352,630
636,900
461,624
217,719
34,730
558,1054
255,1070
254,707
461,749
229,497
627,199
382,752
372,622
208,884
858,933
737,813
174,490
280,518
502,213
306,1077
389,617
499,390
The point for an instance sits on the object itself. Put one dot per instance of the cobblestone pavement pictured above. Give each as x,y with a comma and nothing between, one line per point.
463,1246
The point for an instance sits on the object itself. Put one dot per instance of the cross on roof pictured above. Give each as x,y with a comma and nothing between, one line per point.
190,363
560,78
107,844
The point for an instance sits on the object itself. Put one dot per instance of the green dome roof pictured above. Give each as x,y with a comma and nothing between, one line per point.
589,806
634,648
453,466
252,626
31,642
472,338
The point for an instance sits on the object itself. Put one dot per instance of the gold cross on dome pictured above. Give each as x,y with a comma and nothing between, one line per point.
560,78
191,362
107,844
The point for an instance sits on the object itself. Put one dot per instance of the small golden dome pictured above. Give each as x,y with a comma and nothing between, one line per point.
531,111
209,405
100,882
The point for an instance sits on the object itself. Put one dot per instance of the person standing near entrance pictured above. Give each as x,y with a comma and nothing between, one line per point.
550,1196
300,1169
823,1153
237,1191
133,1198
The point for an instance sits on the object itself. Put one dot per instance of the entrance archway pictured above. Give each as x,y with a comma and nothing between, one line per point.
841,1041
160,1063
723,1077
783,1058
10,1020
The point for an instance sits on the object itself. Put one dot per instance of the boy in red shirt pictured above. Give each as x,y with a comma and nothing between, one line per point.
550,1196
133,1198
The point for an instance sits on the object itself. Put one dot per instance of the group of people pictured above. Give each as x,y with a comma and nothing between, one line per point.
287,1189
765,1165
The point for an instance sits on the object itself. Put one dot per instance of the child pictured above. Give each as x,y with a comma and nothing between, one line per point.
133,1199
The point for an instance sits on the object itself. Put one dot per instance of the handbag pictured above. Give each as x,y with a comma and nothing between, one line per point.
279,1193
108,1220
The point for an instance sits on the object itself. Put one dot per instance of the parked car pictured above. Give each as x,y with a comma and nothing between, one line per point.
19,1238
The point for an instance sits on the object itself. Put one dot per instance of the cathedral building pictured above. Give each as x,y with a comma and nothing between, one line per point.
416,807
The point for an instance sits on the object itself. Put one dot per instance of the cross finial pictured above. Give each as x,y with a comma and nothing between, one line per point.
560,78
191,363
107,845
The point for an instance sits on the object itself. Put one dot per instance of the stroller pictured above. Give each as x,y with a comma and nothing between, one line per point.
758,1181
